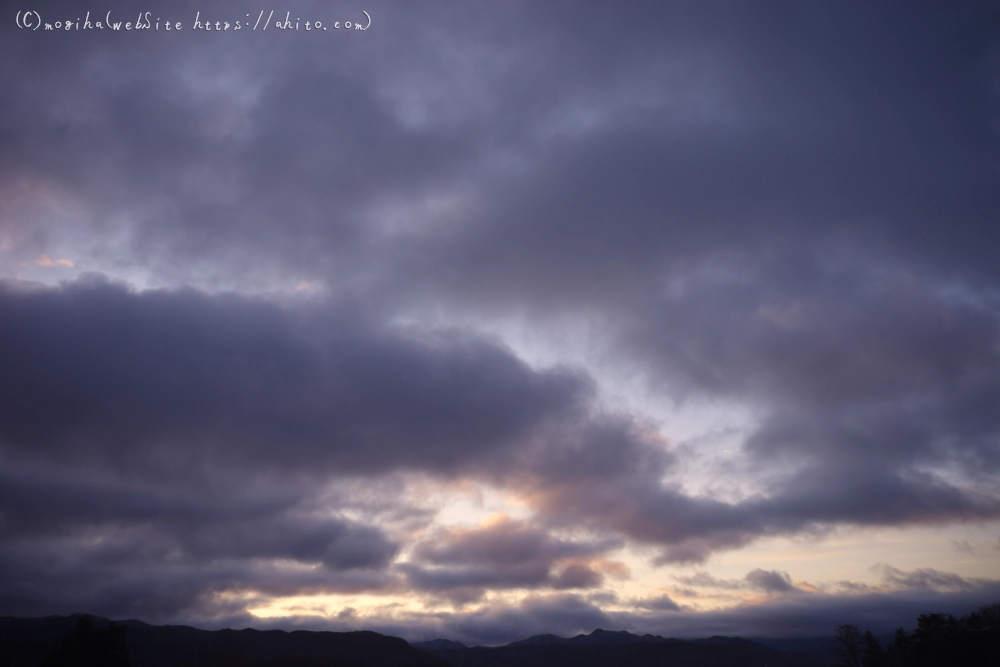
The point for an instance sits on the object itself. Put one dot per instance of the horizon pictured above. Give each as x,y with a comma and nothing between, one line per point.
485,321
829,635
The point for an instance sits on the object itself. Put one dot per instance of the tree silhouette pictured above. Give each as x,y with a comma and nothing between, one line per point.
873,655
86,647
936,637
940,640
849,645
901,651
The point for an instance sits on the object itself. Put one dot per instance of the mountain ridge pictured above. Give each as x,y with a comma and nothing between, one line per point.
619,648
26,641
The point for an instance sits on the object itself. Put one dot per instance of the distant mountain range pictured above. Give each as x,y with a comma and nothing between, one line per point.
609,648
24,642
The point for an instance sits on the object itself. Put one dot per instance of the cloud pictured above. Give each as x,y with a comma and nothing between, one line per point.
167,380
807,614
191,392
145,572
963,546
45,260
73,540
209,428
928,579
769,581
505,553
658,603
506,247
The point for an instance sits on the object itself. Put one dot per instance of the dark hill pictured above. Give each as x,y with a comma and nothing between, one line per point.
540,640
439,645
603,648
596,638
616,638
25,641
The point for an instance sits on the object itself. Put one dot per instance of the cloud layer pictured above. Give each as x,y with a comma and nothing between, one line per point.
260,290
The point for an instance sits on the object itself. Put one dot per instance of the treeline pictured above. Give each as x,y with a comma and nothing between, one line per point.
87,647
939,640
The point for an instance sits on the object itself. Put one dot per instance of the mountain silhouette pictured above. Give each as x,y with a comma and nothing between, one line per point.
439,645
610,648
32,642
25,642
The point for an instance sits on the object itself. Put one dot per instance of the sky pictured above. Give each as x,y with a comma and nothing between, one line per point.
496,319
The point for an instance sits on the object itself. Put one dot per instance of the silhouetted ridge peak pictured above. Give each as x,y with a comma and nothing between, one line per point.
540,640
729,641
601,637
439,645
27,641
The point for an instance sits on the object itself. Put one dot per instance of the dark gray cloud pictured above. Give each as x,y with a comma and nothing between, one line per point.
176,379
658,603
770,581
73,540
141,573
787,208
194,430
929,579
462,563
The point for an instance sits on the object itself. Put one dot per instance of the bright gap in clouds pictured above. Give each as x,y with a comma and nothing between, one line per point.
706,432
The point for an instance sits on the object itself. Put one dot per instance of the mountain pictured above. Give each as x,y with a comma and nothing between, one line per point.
25,641
616,638
540,640
607,648
596,638
818,648
439,645
729,641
